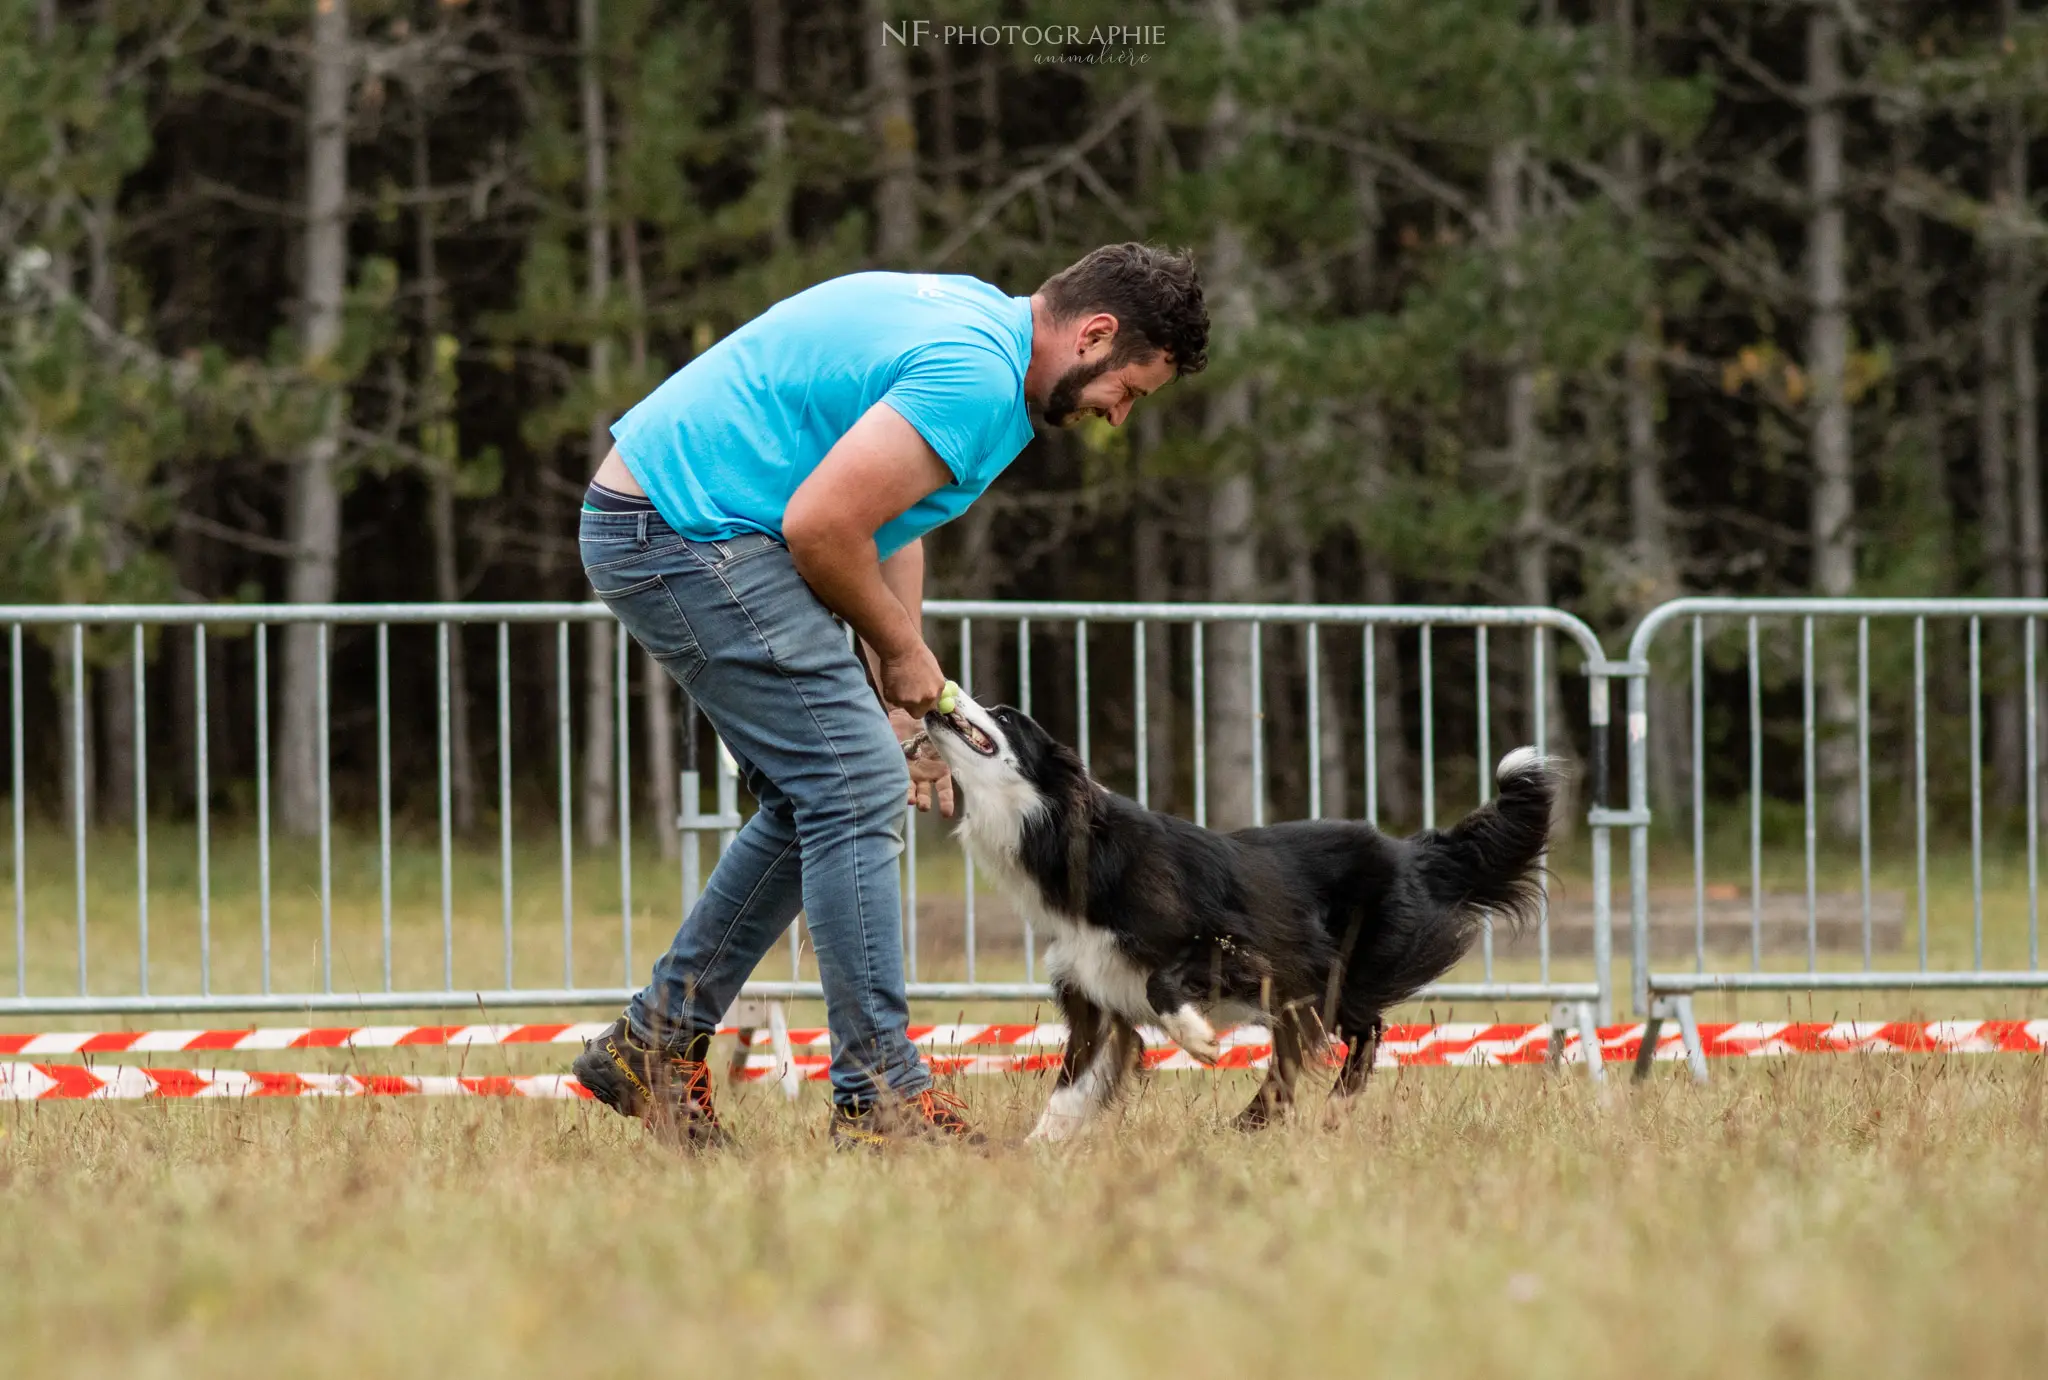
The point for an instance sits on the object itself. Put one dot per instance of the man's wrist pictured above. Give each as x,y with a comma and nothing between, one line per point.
898,640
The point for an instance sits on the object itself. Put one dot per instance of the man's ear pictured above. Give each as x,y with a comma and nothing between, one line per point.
1098,330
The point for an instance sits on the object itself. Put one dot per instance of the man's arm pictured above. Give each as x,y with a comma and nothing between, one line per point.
930,782
903,573
874,473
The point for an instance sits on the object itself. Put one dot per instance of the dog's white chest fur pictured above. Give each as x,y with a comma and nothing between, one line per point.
1081,955
1088,959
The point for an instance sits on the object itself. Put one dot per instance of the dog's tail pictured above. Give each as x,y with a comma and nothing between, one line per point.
1488,863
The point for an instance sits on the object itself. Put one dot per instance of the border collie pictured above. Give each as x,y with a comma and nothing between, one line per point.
1314,928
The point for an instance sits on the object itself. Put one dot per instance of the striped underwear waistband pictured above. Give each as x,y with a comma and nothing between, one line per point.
598,499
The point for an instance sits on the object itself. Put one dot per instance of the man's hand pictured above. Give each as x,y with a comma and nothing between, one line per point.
912,682
930,778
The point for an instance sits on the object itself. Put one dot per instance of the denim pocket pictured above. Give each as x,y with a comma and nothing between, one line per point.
647,609
637,592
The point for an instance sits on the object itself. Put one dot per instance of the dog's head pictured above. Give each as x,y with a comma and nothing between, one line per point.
995,751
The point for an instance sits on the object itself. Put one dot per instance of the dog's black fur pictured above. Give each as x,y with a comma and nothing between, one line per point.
1319,927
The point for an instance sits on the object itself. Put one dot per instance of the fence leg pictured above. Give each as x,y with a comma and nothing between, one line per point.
1652,1028
1589,1041
1689,1031
747,1017
1678,1008
1565,1017
785,1053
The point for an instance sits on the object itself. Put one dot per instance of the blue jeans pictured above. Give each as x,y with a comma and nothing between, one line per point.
771,668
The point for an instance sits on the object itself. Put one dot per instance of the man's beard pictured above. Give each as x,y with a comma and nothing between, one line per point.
1065,398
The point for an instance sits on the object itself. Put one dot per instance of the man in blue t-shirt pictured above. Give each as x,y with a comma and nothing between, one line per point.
773,493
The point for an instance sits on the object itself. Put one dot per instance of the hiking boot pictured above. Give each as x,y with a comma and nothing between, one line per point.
667,1086
930,1115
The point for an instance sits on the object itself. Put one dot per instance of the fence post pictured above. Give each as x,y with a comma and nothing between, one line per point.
1603,843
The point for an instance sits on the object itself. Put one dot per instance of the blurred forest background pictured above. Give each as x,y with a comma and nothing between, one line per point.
1586,303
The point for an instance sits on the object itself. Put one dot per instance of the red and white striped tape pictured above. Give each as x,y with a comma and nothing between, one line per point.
24,1082
1406,1044
1247,1047
467,1036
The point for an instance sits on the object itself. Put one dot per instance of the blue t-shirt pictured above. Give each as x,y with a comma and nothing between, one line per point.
721,446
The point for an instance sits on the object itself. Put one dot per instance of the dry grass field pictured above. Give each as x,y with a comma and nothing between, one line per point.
1846,1216
1851,1216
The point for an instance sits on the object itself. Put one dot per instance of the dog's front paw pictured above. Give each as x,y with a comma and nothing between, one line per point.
1064,1116
1052,1129
1189,1029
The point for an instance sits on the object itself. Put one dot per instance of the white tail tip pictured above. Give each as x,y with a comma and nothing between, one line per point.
1521,762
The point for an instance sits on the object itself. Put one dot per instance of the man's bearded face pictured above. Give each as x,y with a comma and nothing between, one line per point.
1063,403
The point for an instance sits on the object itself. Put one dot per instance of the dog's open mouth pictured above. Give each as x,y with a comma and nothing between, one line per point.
971,735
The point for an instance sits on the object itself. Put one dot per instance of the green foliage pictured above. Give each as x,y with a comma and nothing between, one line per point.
152,165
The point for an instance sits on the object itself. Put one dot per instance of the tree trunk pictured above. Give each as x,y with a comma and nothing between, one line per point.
313,501
600,725
176,718
1925,473
1652,563
1233,578
1155,504
1232,536
1524,456
945,126
1833,536
117,735
1995,519
1655,566
54,233
599,667
893,128
1527,454
1389,777
1152,579
1923,478
1393,786
117,681
770,90
437,439
2023,297
1325,683
1828,446
990,155
656,745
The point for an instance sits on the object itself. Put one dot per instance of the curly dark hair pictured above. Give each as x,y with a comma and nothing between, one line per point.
1155,295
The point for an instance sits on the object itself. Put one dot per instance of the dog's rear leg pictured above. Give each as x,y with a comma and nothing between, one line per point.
1275,1097
1101,1050
1360,1051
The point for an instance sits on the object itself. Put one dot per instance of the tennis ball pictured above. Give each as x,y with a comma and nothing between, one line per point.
949,697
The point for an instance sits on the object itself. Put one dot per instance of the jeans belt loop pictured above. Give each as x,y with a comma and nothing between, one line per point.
643,527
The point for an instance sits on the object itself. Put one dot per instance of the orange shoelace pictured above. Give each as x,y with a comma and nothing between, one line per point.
943,1110
694,1077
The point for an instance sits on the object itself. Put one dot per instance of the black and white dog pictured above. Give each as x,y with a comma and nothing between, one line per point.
1313,928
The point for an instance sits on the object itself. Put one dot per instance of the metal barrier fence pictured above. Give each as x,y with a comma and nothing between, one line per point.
1836,773
532,646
